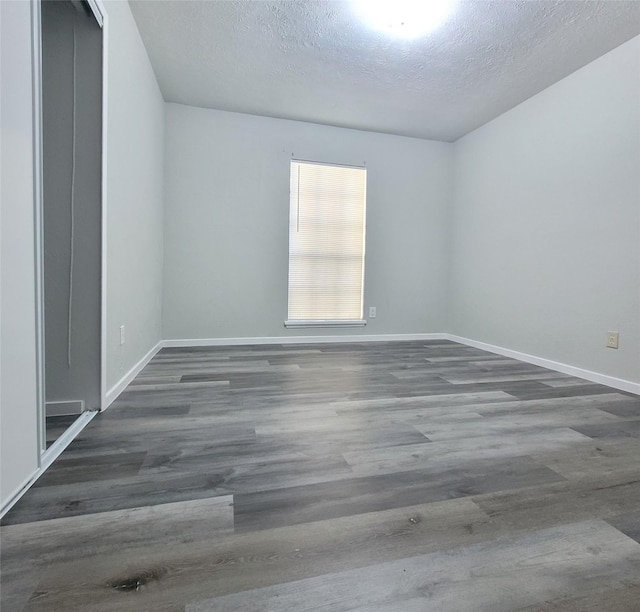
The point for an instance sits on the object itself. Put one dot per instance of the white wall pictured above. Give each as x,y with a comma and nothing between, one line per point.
135,141
546,224
134,224
227,214
18,388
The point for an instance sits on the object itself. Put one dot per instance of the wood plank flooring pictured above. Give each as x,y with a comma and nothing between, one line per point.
405,476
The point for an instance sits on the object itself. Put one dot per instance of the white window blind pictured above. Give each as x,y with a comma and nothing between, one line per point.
326,244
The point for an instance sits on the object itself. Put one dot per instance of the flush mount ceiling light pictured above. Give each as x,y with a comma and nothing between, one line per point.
406,19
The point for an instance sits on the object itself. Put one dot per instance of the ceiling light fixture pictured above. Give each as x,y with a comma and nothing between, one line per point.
408,19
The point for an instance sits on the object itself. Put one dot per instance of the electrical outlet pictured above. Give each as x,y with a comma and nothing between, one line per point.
122,334
372,312
612,340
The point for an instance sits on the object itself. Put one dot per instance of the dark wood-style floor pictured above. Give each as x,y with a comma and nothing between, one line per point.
411,476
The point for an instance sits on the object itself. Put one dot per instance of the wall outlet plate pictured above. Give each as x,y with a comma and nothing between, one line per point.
121,334
612,340
372,312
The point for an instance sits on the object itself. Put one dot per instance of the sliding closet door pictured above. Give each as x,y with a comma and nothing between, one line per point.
71,163
18,359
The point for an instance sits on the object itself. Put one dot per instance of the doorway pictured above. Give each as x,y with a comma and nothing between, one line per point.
71,220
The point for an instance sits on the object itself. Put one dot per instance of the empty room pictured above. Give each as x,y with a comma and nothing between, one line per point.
320,305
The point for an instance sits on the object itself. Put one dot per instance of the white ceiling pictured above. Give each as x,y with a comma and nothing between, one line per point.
312,60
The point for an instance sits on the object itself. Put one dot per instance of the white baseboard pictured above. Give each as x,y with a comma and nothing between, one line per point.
596,377
121,385
611,381
193,342
49,456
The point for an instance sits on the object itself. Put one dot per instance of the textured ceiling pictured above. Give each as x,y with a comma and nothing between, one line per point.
312,60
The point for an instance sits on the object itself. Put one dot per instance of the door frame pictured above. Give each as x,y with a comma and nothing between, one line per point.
47,456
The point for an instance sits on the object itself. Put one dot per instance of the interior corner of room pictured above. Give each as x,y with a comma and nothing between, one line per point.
165,224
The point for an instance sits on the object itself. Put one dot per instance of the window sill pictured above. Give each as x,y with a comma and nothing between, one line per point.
325,323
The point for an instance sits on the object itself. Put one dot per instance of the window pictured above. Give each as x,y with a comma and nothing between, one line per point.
326,244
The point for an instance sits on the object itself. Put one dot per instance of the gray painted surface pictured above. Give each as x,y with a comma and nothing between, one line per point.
79,379
18,390
226,223
135,139
546,246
